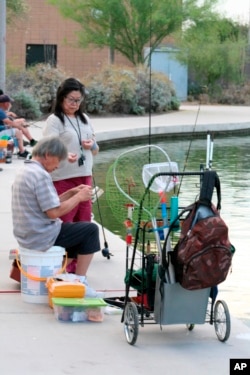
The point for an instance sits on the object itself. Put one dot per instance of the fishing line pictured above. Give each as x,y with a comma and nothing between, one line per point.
35,122
150,89
105,251
150,79
190,144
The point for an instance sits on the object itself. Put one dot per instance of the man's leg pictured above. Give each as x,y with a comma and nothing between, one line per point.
81,240
83,262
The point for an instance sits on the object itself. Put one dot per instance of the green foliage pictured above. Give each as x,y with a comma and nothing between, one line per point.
112,90
15,8
127,91
39,82
214,51
46,80
129,26
96,100
18,80
235,95
26,106
174,104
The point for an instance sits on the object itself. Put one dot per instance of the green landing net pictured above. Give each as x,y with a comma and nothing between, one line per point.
128,183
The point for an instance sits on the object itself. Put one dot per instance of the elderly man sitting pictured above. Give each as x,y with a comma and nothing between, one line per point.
36,209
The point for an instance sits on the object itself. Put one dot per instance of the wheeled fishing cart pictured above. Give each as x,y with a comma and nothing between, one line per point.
147,299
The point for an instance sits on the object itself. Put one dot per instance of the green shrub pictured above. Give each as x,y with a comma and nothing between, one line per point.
39,82
46,81
174,104
96,100
26,106
127,90
114,88
111,90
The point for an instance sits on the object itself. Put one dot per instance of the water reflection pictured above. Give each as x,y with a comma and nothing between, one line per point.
231,161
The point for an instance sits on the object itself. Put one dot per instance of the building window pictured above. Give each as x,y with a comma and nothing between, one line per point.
41,53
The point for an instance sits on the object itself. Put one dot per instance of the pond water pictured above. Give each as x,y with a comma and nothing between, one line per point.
231,156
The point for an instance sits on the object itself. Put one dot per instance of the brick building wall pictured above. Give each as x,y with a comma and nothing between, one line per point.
44,25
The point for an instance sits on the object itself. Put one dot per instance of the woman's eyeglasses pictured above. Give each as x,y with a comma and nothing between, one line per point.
73,101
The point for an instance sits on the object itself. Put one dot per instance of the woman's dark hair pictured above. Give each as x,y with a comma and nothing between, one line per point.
70,84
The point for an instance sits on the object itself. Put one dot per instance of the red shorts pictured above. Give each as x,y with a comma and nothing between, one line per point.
82,212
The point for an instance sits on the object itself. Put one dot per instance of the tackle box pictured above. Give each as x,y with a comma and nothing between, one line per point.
79,309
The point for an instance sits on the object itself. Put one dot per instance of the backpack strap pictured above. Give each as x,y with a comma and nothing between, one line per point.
172,226
210,181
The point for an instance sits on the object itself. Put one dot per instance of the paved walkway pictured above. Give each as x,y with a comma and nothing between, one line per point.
33,342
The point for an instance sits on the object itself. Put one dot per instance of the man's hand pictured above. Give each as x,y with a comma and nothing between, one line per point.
70,199
84,192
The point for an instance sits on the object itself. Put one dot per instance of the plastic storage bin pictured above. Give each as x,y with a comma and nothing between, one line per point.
79,309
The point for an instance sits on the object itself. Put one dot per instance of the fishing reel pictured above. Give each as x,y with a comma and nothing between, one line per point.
105,252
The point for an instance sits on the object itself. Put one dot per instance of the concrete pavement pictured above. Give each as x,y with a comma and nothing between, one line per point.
189,119
33,342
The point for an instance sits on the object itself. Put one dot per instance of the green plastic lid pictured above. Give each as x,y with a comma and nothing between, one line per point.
79,302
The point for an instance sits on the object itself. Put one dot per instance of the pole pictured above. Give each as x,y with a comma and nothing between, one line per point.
248,35
2,43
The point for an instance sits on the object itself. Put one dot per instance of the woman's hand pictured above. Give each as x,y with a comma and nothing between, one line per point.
72,158
87,144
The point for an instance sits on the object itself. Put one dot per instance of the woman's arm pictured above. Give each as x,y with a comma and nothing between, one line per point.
52,126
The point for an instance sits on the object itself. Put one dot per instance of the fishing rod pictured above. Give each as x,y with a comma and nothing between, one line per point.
191,139
210,149
105,251
33,123
150,80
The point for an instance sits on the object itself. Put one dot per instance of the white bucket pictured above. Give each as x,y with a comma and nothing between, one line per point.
36,266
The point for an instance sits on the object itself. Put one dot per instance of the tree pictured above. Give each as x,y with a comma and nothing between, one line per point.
215,51
128,26
15,8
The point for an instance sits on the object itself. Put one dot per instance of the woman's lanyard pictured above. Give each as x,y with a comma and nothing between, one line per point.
78,133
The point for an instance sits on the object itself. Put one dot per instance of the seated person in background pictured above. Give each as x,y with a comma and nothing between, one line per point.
8,120
9,113
36,208
15,133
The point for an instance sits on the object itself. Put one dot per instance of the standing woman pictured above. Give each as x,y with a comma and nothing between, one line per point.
73,126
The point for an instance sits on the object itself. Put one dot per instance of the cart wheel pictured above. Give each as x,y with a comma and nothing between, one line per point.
222,323
190,327
131,323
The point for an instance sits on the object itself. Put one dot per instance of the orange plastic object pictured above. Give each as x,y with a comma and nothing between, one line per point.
64,289
3,143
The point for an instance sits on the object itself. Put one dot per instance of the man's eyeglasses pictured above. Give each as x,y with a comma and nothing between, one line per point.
73,101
